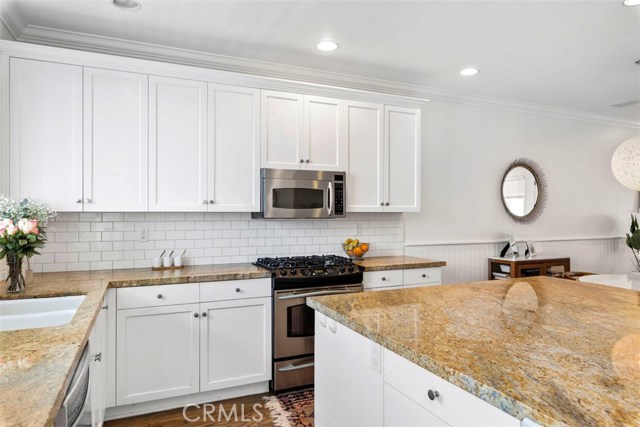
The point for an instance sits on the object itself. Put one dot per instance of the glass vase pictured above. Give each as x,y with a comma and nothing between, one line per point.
15,279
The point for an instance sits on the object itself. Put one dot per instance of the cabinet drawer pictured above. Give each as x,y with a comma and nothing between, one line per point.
416,276
235,289
415,383
153,296
379,279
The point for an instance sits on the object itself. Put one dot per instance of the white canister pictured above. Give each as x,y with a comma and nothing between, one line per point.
156,262
177,261
167,261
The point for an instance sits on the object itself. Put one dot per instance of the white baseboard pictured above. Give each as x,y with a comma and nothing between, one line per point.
181,401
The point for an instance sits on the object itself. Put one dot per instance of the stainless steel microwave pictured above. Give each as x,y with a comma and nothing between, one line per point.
301,194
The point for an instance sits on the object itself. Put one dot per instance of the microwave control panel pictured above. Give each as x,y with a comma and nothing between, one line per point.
339,197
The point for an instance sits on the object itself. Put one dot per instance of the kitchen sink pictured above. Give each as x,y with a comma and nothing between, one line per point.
31,313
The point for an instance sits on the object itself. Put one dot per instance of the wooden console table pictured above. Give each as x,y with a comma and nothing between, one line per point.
506,268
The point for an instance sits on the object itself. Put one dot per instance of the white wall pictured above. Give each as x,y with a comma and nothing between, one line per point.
465,152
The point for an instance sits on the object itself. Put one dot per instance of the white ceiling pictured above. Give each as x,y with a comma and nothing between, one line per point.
576,55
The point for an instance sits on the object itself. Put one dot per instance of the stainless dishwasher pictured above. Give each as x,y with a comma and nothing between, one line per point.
76,406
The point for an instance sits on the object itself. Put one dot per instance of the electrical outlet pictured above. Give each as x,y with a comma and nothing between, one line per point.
358,229
144,235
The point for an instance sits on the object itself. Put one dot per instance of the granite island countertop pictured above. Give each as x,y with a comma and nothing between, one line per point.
562,353
35,364
401,262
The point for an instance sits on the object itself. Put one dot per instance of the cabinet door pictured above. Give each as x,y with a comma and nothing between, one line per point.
178,145
116,158
324,139
348,379
157,353
364,126
402,153
400,411
282,130
234,148
97,348
235,346
45,133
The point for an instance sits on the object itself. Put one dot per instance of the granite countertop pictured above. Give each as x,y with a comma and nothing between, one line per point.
35,364
560,352
396,263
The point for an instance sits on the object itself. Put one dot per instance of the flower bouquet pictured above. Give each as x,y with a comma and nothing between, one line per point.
22,233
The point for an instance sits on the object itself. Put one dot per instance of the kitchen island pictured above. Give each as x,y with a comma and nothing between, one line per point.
553,351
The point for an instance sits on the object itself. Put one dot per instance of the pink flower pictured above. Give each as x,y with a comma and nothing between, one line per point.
28,226
12,230
4,223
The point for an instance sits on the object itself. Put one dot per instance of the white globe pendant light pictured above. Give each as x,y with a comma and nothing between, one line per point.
625,163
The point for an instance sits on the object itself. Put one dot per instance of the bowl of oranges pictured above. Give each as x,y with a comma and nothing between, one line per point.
355,248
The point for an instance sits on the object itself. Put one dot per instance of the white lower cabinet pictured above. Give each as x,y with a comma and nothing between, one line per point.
98,371
157,352
357,383
235,343
176,340
401,411
348,377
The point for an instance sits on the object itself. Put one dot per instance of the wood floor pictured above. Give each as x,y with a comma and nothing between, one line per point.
174,417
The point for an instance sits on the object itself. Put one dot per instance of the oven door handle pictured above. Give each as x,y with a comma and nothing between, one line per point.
289,368
315,294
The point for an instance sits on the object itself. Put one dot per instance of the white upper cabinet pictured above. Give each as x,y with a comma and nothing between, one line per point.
364,130
234,148
323,146
403,162
302,132
177,145
45,133
116,158
282,130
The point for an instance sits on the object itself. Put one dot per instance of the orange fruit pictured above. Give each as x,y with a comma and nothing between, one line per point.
364,247
358,251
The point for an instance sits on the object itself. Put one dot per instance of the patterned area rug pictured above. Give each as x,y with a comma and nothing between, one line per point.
292,408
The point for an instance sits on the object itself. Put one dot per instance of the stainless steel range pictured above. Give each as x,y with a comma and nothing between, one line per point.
295,279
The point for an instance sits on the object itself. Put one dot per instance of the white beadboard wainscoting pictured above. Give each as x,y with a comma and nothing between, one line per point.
468,262
102,241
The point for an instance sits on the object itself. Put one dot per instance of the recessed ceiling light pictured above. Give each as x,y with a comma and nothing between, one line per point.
631,2
469,72
127,4
327,46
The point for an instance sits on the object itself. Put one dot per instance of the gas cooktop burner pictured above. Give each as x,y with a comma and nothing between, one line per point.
309,266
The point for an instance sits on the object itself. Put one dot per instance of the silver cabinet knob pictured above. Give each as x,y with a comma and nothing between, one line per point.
87,200
97,357
301,160
196,315
384,279
204,202
424,275
433,394
204,314
381,203
306,161
211,202
79,201
237,289
159,296
386,204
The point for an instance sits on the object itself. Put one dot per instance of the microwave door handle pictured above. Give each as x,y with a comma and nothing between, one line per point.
329,199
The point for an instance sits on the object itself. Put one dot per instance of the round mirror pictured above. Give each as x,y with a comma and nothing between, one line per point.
523,191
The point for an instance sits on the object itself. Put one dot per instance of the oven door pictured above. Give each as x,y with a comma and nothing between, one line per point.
294,321
297,198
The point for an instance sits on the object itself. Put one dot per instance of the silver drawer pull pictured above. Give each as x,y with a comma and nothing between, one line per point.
384,279
433,394
424,275
237,289
289,368
159,296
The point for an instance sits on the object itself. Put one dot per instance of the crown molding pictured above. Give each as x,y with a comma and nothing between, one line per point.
275,71
12,19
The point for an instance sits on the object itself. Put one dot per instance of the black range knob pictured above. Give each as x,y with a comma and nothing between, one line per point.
293,272
283,272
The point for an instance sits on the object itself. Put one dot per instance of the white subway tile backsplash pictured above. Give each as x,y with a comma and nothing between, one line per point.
91,241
